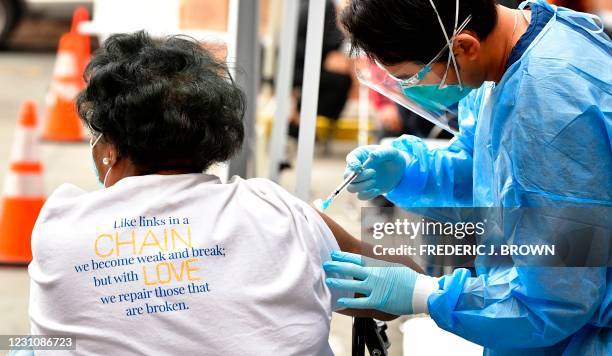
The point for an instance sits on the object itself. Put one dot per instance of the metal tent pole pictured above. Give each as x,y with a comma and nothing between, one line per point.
310,97
247,47
284,81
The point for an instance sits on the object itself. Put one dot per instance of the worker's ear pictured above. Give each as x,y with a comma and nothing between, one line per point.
466,45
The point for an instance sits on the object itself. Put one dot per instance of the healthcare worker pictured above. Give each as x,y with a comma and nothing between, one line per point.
536,133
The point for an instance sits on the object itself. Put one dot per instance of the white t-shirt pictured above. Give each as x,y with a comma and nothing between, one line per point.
182,265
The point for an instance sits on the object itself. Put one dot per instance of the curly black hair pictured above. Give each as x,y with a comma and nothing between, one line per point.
164,103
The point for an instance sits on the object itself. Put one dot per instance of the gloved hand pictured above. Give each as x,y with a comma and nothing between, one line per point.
388,287
380,175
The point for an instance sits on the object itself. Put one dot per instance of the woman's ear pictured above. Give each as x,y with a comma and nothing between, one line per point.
113,155
467,45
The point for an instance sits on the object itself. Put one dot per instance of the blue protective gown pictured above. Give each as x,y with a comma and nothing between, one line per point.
540,138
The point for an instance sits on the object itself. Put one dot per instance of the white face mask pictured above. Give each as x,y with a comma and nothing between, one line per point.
106,162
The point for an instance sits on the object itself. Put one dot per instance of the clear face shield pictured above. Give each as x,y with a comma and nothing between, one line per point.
421,88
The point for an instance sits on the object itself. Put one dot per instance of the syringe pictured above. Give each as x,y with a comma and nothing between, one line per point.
324,204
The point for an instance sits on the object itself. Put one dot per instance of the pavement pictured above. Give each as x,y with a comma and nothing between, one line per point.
26,76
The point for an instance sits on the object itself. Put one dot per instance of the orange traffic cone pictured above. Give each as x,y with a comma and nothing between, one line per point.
81,15
23,192
62,121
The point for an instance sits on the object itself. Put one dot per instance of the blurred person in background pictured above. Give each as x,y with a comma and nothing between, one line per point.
336,79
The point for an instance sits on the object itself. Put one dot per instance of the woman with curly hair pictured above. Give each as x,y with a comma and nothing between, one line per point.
167,260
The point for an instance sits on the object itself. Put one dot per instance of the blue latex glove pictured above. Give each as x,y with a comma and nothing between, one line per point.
380,175
388,287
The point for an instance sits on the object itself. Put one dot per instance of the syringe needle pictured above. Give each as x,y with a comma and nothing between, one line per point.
345,183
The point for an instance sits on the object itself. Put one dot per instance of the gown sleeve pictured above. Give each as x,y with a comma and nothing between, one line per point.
440,177
518,307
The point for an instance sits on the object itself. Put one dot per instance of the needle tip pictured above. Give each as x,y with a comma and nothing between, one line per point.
325,204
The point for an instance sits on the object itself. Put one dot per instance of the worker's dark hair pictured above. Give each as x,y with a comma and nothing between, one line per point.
394,31
164,103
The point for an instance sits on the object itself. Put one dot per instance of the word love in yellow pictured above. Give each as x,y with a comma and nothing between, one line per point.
166,272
